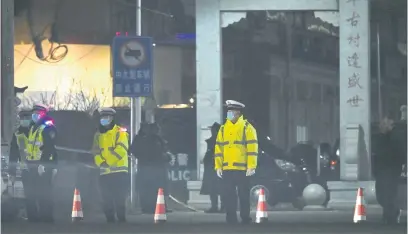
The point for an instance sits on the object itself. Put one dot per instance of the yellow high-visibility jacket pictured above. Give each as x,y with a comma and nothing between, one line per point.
111,151
35,142
236,147
22,143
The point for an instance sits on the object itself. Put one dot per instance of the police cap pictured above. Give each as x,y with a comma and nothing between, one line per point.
41,107
104,111
234,105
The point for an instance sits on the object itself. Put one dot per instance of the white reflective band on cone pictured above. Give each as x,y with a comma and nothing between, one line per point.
160,199
77,214
261,214
160,217
77,198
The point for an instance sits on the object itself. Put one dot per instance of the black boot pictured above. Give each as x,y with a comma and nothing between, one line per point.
214,204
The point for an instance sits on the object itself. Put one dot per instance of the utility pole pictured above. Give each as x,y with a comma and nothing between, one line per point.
135,108
287,82
379,81
136,103
7,71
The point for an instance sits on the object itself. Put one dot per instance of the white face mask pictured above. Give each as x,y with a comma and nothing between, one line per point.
105,121
230,115
35,117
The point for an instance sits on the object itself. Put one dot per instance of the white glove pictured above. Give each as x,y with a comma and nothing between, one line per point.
250,172
41,169
219,173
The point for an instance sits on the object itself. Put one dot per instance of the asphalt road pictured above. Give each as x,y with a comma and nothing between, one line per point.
199,223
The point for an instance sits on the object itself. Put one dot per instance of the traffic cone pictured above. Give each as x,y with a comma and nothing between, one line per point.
261,209
160,213
359,210
77,214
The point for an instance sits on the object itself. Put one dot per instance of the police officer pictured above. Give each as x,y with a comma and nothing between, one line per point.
111,156
236,152
41,166
18,155
19,143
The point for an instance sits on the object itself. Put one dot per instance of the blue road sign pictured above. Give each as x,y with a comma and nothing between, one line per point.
132,66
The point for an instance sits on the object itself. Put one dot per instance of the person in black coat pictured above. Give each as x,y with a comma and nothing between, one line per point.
211,182
149,149
389,155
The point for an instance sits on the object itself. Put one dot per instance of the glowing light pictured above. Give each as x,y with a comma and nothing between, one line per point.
191,100
175,106
49,122
120,33
123,129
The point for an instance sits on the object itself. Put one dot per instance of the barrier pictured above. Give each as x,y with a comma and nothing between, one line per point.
79,163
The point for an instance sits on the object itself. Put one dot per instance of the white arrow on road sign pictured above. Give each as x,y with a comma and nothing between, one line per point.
132,54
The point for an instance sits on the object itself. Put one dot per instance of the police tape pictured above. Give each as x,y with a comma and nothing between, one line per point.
79,151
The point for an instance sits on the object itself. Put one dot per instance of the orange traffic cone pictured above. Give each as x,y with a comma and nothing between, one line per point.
160,213
359,210
261,209
77,214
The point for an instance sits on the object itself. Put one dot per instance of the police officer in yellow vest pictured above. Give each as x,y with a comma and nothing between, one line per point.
41,159
236,152
19,143
111,156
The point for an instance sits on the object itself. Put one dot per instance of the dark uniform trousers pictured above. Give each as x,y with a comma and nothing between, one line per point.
236,180
114,189
38,194
386,187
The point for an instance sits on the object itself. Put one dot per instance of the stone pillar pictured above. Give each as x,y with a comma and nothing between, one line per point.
209,70
209,83
355,107
355,80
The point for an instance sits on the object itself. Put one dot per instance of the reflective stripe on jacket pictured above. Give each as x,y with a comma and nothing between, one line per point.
111,151
35,141
236,147
22,143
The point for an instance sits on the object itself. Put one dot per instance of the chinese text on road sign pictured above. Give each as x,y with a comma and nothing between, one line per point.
132,66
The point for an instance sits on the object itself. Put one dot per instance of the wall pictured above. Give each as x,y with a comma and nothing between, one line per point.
87,68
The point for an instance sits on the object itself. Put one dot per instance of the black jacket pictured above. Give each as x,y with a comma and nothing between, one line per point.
209,154
389,151
150,150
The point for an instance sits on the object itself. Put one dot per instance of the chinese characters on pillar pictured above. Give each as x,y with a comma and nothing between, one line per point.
353,60
143,84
